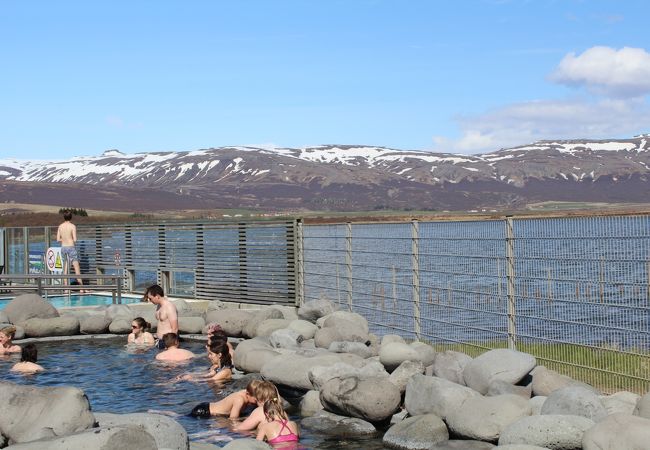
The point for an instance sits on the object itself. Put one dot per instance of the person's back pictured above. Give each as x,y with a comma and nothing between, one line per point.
28,358
277,428
67,234
230,406
173,353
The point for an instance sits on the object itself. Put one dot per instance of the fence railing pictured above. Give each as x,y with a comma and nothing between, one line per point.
573,292
45,285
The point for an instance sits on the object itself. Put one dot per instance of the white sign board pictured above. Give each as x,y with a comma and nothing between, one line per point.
54,260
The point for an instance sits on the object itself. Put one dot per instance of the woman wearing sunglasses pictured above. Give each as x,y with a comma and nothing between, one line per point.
139,333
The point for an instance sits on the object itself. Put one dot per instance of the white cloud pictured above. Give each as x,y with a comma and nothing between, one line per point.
526,122
605,70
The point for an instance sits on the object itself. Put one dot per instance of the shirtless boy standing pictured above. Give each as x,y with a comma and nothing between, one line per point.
166,313
67,236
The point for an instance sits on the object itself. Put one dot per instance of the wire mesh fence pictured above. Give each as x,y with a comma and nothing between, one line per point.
573,292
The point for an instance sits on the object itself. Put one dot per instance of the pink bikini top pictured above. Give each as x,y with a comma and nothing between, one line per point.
288,437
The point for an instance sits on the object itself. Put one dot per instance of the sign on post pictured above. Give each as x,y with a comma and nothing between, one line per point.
36,264
54,260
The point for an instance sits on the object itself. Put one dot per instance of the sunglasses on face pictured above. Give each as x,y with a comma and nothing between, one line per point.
135,327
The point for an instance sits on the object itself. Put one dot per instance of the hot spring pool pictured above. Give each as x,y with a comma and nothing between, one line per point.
63,301
120,381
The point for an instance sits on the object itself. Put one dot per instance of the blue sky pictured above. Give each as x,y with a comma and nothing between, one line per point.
81,77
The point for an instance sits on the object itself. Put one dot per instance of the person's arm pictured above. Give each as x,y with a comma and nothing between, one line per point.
131,338
59,237
223,375
172,315
252,421
74,234
261,433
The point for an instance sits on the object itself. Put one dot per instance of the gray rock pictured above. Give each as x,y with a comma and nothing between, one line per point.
501,364
463,445
121,311
120,325
319,375
202,446
556,432
183,308
166,431
310,404
54,326
104,438
20,332
575,400
334,319
500,387
257,317
29,306
520,447
435,395
536,404
358,348
404,372
94,324
313,310
341,330
390,338
247,444
329,424
427,353
285,338
484,418
620,402
546,381
3,317
268,326
232,321
252,354
393,354
450,365
31,413
416,433
293,369
642,408
373,399
618,432
304,328
216,305
191,325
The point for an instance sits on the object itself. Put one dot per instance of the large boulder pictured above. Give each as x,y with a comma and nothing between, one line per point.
642,408
252,354
29,306
450,365
358,348
232,321
30,413
119,311
575,400
120,325
427,352
313,310
425,394
618,432
257,317
556,432
3,317
319,375
329,424
620,402
247,444
342,330
310,404
104,438
306,329
54,326
268,326
372,399
393,354
285,338
293,369
500,364
462,444
404,372
95,324
483,418
335,318
191,324
546,381
168,433
416,433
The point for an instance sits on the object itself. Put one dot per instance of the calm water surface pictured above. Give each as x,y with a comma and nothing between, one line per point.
120,380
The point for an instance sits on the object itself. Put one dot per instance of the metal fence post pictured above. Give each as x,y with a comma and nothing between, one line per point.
299,263
510,277
348,261
415,263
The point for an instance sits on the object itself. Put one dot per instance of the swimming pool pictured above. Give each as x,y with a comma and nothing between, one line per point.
62,301
117,380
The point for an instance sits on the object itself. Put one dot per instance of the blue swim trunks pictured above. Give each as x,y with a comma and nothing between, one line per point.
70,253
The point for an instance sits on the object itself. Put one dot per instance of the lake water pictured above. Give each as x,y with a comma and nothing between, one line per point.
120,381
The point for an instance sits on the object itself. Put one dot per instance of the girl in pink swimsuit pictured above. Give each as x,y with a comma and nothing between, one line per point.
277,429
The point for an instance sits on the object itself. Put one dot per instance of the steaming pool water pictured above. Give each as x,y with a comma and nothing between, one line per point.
118,379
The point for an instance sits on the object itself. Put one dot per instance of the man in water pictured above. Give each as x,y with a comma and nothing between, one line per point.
166,313
67,236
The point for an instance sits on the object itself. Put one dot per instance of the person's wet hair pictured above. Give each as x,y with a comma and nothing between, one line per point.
265,391
273,409
67,215
8,331
251,387
221,346
142,324
170,339
29,353
155,290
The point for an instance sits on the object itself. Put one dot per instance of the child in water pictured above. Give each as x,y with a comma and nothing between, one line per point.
277,429
28,358
232,405
264,392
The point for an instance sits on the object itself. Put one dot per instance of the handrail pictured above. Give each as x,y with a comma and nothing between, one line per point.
33,282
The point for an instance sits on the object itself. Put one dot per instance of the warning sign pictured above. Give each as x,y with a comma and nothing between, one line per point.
53,260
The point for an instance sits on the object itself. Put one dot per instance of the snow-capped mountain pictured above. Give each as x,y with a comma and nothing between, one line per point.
353,177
